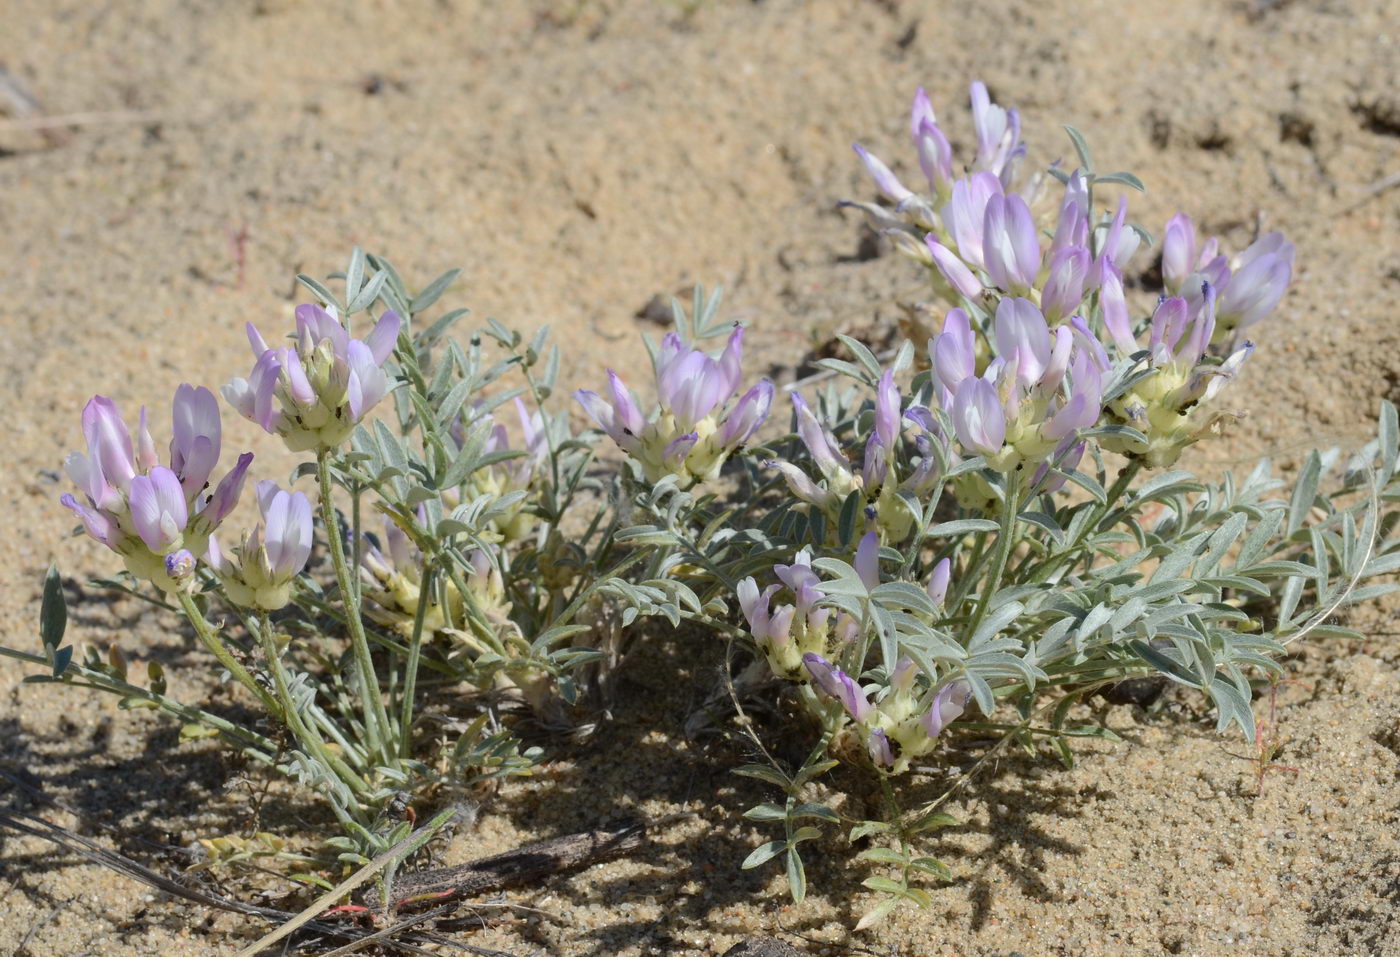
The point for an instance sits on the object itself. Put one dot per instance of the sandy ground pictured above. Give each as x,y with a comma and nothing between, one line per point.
577,158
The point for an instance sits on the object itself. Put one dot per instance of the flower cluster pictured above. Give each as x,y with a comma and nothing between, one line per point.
1033,300
145,511
887,478
313,394
801,638
259,572
695,429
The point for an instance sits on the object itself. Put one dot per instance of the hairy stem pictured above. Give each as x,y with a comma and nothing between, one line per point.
219,650
376,718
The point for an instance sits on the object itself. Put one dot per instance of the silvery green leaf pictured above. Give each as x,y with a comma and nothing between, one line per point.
1389,441
864,356
354,276
765,812
1165,663
501,334
1059,174
320,291
1233,707
841,367
961,527
1087,483
1288,600
647,535
1098,616
1258,539
367,294
467,459
763,854
53,609
981,693
441,325
846,520
1304,492
902,594
1123,179
796,874
994,623
434,290
1221,541
1081,148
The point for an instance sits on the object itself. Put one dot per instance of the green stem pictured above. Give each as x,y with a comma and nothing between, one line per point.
309,740
415,650
220,651
376,718
1002,554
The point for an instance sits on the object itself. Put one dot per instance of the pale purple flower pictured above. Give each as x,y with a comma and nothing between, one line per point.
1178,251
948,705
691,435
881,754
143,510
836,684
935,157
953,351
885,180
1066,459
1010,246
1065,283
937,587
260,572
965,214
953,269
1019,327
1072,226
1115,311
313,395
978,417
887,412
1258,283
158,509
867,563
998,133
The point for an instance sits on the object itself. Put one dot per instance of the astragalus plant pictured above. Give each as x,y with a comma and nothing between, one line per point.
961,540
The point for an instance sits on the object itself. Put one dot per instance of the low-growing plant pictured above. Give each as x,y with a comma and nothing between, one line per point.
964,538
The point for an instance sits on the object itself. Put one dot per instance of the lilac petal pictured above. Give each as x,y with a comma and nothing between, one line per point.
627,415
1255,290
938,581
1227,370
947,707
158,509
1010,246
276,513
905,671
1020,326
1065,459
1064,285
227,492
754,605
1115,311
315,324
255,340
262,387
965,213
1194,345
145,445
98,525
697,386
839,685
953,269
799,483
921,113
1178,251
887,410
867,563
977,416
819,442
194,415
935,157
109,442
1109,248
885,180
1059,360
1168,323
989,120
1072,228
953,351
298,385
730,361
87,477
600,412
881,754
384,336
746,417
676,451
297,537
1077,413
1089,342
